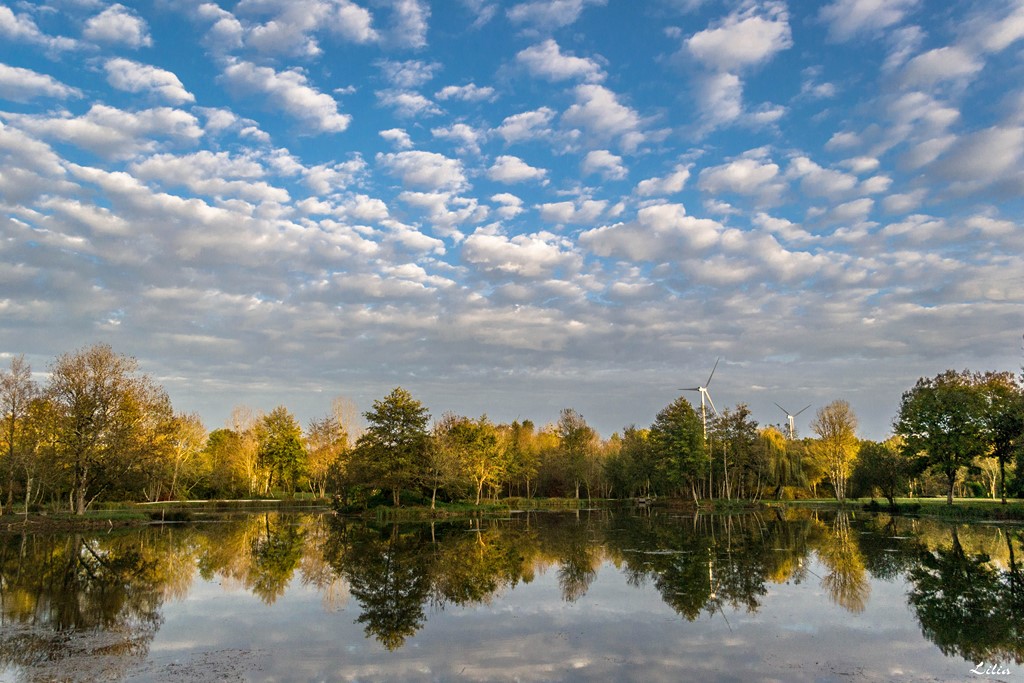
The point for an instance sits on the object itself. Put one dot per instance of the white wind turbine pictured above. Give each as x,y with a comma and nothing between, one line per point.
792,418
705,398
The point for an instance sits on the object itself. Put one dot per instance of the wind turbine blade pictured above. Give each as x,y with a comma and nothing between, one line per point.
782,409
712,372
802,409
713,408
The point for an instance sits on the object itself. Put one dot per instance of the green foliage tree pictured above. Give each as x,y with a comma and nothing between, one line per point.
884,468
281,450
576,441
106,416
677,442
836,445
1004,419
733,439
392,451
942,422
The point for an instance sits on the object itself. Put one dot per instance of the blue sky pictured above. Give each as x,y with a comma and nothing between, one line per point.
514,207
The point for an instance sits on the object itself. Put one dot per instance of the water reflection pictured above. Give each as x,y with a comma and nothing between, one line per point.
100,598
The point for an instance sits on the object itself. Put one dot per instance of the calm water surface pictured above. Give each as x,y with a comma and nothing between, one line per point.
594,595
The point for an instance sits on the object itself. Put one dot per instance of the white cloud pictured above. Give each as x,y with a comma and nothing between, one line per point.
408,74
114,133
666,185
512,169
407,104
546,60
529,125
659,233
466,137
743,39
548,14
130,76
985,156
530,256
22,85
862,164
749,175
424,170
905,202
849,18
118,25
511,205
353,22
21,27
409,23
599,112
219,175
290,90
397,137
601,161
941,64
820,182
721,98
579,212
467,93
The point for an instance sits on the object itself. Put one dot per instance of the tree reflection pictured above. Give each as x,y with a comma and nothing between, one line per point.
78,606
846,581
967,606
388,574
275,553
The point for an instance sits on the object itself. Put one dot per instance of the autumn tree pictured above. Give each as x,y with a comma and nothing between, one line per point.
836,445
392,451
17,391
106,414
942,422
187,438
326,445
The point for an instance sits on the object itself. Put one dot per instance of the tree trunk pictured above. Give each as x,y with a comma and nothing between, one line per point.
949,491
1002,479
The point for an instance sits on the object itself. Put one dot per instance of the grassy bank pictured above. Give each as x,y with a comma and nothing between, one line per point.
962,509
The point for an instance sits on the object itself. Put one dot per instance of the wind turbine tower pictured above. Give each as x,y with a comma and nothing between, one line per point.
705,399
792,419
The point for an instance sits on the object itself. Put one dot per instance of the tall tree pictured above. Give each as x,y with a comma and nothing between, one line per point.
393,449
326,444
17,391
677,440
1004,419
942,422
576,440
883,467
187,440
836,445
106,415
281,450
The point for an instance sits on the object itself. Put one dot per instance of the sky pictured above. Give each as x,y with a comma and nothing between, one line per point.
511,208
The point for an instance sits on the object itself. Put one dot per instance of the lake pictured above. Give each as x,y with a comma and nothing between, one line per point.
594,595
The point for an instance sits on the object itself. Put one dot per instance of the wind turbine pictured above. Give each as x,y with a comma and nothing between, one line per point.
792,418
705,398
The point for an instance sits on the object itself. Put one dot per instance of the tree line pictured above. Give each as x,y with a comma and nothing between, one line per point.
101,430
